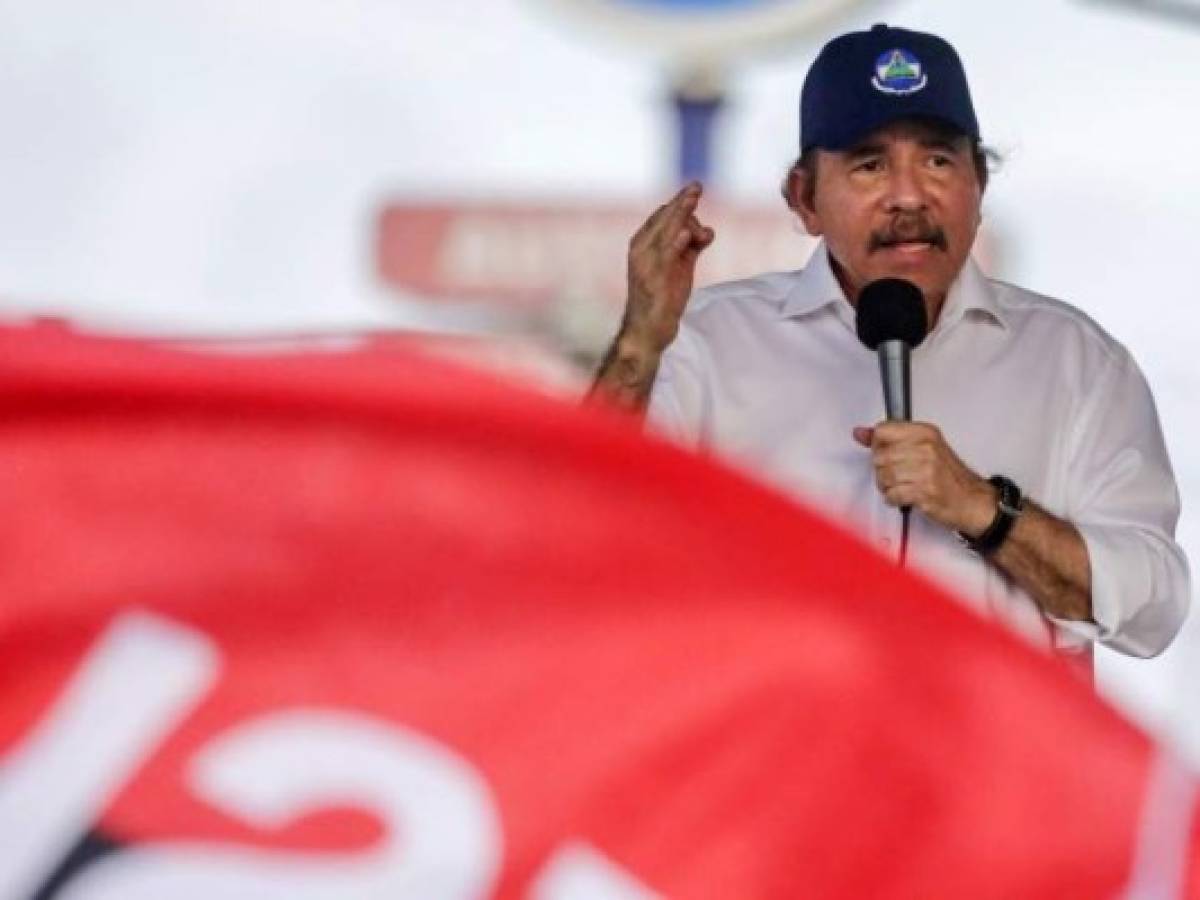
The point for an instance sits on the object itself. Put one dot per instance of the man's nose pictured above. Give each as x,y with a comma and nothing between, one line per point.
905,191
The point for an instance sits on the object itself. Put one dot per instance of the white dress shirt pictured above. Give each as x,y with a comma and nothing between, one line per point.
769,373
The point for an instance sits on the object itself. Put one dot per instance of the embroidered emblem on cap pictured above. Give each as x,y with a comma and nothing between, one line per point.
898,72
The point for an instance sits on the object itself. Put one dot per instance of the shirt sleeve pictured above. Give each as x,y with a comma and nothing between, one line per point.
679,402
1124,501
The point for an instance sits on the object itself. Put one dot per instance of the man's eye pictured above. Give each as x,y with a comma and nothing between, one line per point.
941,160
869,165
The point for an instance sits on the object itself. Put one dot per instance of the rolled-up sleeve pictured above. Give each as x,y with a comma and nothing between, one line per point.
1124,501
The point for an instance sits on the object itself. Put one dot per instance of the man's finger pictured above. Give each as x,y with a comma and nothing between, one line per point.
682,206
888,432
692,237
656,217
899,496
701,234
893,430
683,240
644,235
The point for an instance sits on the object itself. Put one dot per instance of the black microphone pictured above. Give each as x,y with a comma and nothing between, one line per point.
891,321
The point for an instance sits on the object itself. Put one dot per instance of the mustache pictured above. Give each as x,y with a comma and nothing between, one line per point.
909,229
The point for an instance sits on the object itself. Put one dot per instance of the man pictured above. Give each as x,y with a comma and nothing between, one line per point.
1071,538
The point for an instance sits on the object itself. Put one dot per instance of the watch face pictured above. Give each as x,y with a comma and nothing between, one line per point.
1010,494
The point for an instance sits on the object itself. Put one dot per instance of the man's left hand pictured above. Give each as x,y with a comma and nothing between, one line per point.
914,466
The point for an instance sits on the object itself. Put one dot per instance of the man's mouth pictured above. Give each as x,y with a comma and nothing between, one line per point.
909,240
910,247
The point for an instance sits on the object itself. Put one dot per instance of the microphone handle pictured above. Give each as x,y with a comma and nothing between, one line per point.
895,371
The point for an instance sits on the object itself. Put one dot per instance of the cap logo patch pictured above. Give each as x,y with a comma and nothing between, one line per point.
898,72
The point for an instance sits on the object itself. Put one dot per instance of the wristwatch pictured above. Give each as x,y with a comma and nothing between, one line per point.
1008,507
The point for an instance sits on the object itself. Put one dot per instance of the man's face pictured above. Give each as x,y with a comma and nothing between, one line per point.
903,203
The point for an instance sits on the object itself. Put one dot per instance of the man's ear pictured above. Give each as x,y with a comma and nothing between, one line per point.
801,191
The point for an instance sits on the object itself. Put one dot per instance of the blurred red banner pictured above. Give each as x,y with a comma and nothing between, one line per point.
365,624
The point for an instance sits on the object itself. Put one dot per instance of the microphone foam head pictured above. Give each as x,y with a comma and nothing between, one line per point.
891,309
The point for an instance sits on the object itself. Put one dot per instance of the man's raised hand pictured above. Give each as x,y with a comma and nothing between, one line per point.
662,268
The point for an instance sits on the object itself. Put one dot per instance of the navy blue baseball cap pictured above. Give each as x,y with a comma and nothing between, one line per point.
864,80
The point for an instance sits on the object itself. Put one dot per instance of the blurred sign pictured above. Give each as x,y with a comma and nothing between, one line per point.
530,256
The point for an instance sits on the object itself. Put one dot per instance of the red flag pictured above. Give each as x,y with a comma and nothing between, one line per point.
366,625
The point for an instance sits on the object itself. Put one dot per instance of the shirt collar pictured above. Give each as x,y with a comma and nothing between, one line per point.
971,293
816,287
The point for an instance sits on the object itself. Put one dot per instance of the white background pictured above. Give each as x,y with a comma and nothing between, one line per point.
217,167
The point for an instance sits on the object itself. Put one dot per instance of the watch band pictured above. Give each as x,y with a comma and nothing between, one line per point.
1008,507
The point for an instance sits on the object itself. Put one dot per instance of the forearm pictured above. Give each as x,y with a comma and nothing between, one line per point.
626,374
1044,555
1048,558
